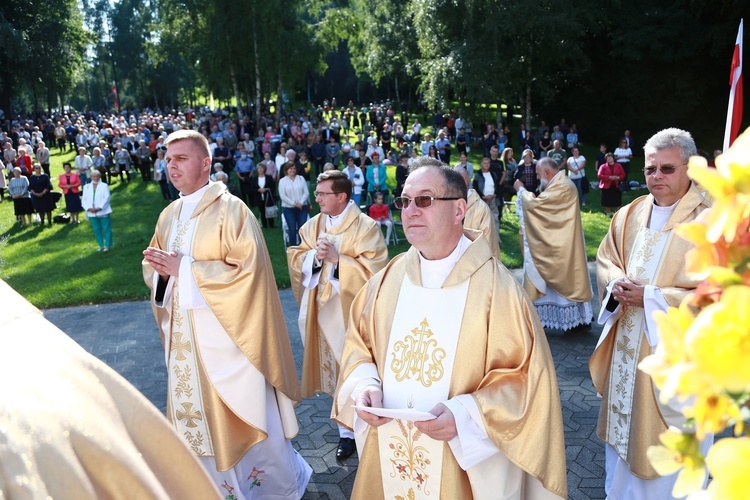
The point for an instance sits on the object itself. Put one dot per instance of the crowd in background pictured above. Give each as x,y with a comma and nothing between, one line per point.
253,153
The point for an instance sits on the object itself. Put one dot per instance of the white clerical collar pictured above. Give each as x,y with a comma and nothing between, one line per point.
335,220
434,272
196,196
190,202
660,215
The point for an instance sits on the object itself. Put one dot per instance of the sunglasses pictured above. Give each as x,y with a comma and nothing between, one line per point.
420,201
665,169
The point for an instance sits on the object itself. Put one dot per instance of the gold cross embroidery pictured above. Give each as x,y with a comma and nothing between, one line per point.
189,415
622,417
625,349
418,356
180,346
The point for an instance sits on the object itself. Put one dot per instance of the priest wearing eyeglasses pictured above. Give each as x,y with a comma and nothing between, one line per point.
340,249
446,347
640,270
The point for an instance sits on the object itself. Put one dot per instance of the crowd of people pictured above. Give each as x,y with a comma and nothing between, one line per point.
385,335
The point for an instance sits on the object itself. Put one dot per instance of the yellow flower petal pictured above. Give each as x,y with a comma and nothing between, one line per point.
729,463
719,340
663,460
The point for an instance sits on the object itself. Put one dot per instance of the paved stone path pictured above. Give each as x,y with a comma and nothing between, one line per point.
125,336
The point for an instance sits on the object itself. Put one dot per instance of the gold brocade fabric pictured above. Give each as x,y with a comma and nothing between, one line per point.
646,422
554,232
71,427
233,273
362,253
478,216
503,361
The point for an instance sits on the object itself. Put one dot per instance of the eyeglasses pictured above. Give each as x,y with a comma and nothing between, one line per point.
665,169
420,201
323,193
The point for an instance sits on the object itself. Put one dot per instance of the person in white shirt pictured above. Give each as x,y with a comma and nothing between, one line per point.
295,201
95,202
577,173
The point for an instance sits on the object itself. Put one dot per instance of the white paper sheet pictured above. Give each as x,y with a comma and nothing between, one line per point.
402,414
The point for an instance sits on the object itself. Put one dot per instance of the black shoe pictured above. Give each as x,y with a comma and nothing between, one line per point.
346,448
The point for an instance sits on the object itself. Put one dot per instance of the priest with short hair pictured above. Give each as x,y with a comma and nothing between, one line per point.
340,249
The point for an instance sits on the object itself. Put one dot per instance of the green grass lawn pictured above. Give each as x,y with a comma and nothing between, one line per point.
58,266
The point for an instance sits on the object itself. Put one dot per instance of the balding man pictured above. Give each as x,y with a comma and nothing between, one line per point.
556,275
446,333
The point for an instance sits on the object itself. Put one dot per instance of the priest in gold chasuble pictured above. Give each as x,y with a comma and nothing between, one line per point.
479,216
232,383
640,270
448,366
556,276
341,248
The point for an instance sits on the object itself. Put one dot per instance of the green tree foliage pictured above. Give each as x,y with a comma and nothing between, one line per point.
42,49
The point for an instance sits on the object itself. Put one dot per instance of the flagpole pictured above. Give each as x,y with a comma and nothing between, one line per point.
734,109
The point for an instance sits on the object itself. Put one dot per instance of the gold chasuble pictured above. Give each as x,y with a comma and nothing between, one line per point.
324,312
478,216
71,427
233,274
487,345
554,232
630,419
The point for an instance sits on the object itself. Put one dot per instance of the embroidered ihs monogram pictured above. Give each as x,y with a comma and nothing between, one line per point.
418,356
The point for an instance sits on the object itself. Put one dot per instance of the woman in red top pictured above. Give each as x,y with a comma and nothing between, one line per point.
70,183
610,175
379,212
24,162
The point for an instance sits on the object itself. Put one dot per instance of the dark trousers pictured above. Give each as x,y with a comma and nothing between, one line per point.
295,219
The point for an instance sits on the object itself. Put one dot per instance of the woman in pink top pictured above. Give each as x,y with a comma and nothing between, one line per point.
610,175
70,183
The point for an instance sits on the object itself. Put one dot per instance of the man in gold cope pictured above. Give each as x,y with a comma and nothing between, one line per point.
554,253
231,377
640,270
445,329
479,216
341,248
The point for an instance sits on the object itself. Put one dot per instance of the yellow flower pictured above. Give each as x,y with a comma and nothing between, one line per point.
729,463
718,341
680,452
712,413
670,367
729,186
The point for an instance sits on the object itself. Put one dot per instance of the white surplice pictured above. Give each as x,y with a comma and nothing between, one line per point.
554,310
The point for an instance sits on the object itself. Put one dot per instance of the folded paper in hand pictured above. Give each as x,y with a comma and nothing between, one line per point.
401,414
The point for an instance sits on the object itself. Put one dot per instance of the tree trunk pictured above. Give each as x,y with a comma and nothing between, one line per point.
395,85
529,76
279,96
49,102
257,72
36,95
